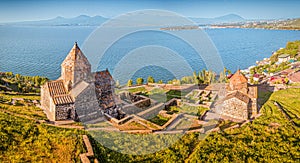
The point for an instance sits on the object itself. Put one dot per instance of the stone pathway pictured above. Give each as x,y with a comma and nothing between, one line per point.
84,157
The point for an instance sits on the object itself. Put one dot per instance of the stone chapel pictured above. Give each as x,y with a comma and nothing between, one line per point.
78,94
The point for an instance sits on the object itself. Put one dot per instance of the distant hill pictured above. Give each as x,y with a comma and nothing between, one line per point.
82,20
230,18
288,24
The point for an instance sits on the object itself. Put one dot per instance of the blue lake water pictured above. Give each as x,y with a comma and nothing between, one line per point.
41,50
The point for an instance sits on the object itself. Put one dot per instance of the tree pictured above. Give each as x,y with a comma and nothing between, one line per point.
44,80
196,78
129,83
20,86
160,82
251,80
9,74
117,84
37,80
222,78
139,81
18,76
150,79
187,80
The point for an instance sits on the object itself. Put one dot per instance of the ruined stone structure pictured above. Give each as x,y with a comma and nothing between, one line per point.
78,94
240,101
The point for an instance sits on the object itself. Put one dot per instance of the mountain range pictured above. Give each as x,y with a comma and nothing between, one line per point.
84,20
230,18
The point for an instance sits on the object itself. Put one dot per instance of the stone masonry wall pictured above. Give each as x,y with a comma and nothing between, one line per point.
65,111
152,112
86,104
172,102
235,108
104,88
45,97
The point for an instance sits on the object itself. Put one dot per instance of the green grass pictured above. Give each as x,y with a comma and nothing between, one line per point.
159,120
24,140
290,101
175,94
192,110
294,84
26,96
269,138
259,141
24,108
138,89
185,123
100,124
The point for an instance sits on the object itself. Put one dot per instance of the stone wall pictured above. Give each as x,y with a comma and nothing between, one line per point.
75,68
45,97
144,103
253,91
152,112
172,102
65,111
235,108
86,104
131,109
253,110
104,88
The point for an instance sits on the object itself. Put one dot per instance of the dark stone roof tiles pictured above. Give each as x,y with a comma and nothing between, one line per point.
62,99
238,95
56,88
58,93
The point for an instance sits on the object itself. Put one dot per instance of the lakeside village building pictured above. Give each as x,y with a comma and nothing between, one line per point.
81,95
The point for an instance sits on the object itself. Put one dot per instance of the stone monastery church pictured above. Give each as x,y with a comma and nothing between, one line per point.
240,101
78,93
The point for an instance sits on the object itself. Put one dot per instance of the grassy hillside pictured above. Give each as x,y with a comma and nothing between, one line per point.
24,139
291,48
20,83
273,137
270,138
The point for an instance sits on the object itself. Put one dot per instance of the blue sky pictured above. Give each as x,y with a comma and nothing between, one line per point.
21,10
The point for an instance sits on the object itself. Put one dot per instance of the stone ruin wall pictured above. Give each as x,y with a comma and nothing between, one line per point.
152,112
131,109
143,103
172,102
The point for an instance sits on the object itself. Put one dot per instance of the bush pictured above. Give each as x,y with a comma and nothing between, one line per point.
139,81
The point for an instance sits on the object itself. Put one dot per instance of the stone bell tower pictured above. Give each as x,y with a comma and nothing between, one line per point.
238,82
75,68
